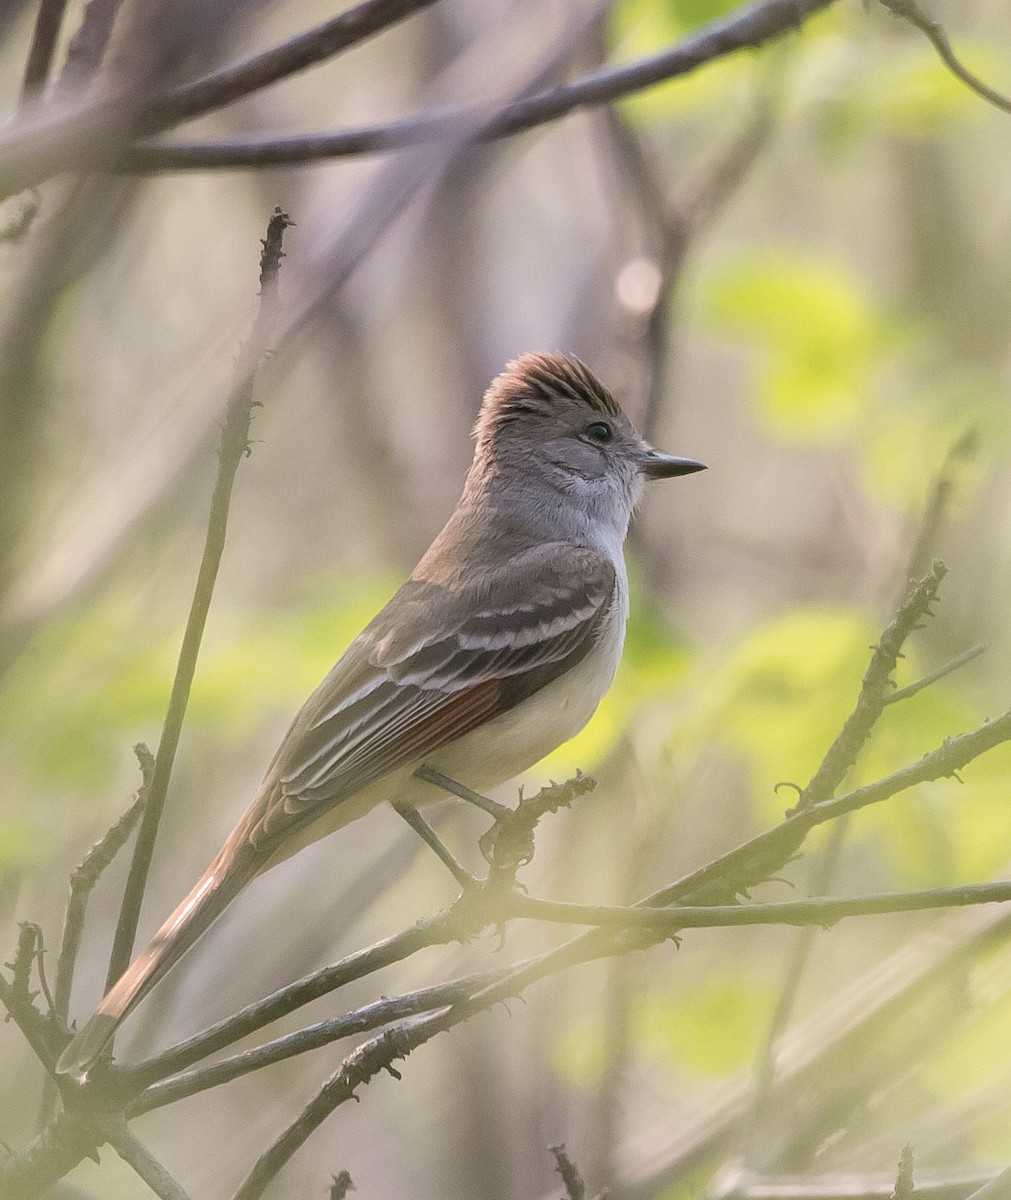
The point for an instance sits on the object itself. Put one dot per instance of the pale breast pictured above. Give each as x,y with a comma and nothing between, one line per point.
511,743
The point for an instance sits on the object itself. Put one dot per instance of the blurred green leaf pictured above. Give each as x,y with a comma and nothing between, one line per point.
814,333
782,694
710,1029
88,688
640,27
577,1051
848,89
979,1054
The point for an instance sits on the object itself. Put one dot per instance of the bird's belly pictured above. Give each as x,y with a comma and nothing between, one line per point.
512,742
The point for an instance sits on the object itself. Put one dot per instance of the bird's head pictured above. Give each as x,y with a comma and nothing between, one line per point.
549,426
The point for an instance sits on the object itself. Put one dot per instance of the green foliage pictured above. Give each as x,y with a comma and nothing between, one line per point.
707,1027
640,27
782,692
848,92
711,1028
91,686
815,335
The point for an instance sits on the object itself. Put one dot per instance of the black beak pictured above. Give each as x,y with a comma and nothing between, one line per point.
665,466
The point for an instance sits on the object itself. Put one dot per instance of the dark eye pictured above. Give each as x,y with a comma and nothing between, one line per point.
599,432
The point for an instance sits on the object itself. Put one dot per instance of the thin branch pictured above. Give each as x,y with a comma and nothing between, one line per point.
234,447
767,852
341,1185
935,513
48,1157
997,1188
746,865
88,45
132,1151
909,11
820,911
943,1185
825,868
238,79
939,673
433,931
575,1189
903,1189
45,35
828,1042
361,1020
83,881
747,28
381,1052
842,754
39,1032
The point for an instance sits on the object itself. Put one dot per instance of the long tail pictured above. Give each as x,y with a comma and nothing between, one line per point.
215,889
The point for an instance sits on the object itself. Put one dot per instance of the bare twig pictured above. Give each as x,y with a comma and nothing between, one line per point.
132,1151
236,80
942,1185
747,27
88,45
843,752
48,21
48,1157
997,1188
341,1185
910,11
821,911
575,1189
433,931
935,512
234,447
767,852
740,868
83,881
312,1037
904,1180
99,136
940,672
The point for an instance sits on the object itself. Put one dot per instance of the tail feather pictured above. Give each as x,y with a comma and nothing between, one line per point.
217,887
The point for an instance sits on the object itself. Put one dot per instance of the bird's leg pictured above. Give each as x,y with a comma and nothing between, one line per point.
491,807
431,839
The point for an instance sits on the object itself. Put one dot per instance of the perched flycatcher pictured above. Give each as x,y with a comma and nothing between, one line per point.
495,651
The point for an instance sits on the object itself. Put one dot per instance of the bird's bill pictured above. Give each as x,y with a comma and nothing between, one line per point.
665,466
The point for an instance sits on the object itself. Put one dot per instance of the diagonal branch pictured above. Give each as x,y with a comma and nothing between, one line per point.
747,27
842,754
362,1020
134,1152
83,881
45,35
236,80
910,11
234,447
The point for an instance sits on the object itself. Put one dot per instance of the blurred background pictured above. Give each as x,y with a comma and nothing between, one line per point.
791,264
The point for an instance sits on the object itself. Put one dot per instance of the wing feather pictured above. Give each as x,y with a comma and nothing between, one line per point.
436,663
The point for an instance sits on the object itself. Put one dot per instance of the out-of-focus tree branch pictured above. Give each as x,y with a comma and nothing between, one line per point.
230,83
48,21
746,28
910,11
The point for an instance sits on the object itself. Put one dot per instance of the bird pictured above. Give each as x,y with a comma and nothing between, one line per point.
497,649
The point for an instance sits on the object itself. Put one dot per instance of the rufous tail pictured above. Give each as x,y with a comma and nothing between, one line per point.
216,888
